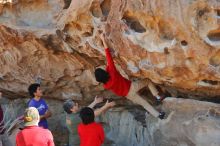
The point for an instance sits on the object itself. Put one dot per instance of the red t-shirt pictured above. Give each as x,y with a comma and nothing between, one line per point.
91,134
34,136
117,83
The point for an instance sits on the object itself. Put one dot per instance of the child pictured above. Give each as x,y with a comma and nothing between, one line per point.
90,132
121,86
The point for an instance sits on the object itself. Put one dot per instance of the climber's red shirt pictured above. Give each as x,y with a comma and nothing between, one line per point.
91,134
34,135
117,83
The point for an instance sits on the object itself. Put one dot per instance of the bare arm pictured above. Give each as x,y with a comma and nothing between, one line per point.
103,41
104,108
108,54
46,115
96,100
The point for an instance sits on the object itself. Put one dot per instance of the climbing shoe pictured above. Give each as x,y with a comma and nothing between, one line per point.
161,115
161,98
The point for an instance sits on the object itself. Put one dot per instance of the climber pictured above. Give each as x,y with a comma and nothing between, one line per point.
32,134
121,86
72,116
4,137
90,132
39,103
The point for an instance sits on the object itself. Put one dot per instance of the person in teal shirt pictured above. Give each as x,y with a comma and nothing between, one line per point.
73,119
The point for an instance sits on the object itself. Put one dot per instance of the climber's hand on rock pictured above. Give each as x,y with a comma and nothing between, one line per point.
112,51
102,36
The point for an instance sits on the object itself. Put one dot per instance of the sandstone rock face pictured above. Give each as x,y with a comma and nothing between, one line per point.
173,43
190,123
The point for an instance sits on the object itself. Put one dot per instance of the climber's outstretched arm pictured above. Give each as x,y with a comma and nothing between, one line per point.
110,62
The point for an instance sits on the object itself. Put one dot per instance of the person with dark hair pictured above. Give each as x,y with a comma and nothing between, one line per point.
32,134
73,119
90,132
101,75
39,103
121,86
87,115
